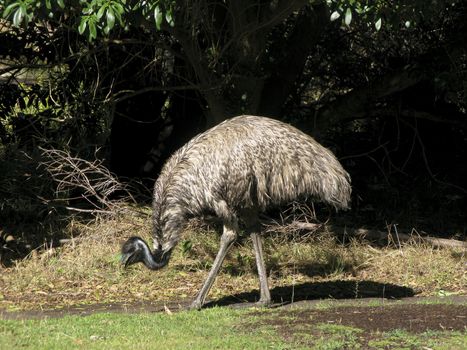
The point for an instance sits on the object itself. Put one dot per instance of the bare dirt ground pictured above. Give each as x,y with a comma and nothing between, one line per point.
369,319
415,315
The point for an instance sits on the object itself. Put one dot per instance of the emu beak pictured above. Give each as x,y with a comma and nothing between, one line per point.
127,259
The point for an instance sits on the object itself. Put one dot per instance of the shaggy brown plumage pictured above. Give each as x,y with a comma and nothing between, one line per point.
236,170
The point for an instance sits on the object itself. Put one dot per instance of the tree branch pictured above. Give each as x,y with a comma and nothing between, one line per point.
404,237
354,103
272,15
310,25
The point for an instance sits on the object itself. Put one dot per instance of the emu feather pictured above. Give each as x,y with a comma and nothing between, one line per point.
235,171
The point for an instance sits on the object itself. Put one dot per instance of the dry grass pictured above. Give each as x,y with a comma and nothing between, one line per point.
87,270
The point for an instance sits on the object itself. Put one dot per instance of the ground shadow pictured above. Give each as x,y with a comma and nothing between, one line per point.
17,241
322,290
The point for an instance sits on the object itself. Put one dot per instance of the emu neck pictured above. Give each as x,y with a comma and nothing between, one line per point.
156,260
170,224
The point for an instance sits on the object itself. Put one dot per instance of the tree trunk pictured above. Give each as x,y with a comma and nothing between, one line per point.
307,32
226,46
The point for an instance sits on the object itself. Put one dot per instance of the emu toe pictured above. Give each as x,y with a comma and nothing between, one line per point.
196,305
263,303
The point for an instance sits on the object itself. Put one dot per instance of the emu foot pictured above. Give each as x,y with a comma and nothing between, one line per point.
196,305
263,303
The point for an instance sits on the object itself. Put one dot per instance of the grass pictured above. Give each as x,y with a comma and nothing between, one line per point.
400,339
330,336
216,328
336,337
211,329
88,270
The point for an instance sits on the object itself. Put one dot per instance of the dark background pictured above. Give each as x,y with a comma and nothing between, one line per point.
390,103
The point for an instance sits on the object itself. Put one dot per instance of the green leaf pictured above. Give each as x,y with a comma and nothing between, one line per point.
348,16
92,30
9,9
118,8
101,12
61,4
158,17
187,246
168,17
110,18
82,25
19,15
88,11
378,24
335,15
117,11
48,4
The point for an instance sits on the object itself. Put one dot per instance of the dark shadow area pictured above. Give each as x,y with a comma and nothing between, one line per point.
27,220
17,241
406,172
334,264
322,290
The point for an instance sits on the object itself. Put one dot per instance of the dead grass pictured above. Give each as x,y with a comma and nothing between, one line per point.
87,270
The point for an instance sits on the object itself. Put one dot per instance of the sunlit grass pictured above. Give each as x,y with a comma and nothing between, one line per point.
215,328
209,329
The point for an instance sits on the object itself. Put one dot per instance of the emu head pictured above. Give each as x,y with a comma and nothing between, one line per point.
136,250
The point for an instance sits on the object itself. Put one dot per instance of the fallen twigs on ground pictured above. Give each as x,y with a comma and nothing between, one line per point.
398,237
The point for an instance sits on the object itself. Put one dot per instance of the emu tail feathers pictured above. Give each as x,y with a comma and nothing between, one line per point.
337,190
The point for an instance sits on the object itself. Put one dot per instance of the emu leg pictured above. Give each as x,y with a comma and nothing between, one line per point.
265,296
227,239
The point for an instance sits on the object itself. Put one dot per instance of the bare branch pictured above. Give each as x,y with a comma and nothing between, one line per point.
403,237
352,104
91,180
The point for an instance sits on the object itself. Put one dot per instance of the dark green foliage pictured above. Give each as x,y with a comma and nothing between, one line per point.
385,89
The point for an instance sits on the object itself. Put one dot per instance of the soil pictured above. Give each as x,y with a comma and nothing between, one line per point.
369,322
415,318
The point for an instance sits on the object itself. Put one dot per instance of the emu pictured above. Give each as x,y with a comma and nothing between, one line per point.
235,171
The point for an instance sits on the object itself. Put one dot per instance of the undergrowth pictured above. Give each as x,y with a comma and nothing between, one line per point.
87,268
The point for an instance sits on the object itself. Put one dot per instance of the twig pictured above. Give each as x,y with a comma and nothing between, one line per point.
397,236
93,181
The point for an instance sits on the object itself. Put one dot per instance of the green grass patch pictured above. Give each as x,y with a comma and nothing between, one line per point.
334,337
401,339
216,328
209,329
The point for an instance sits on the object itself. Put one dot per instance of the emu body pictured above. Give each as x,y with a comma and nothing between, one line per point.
235,171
